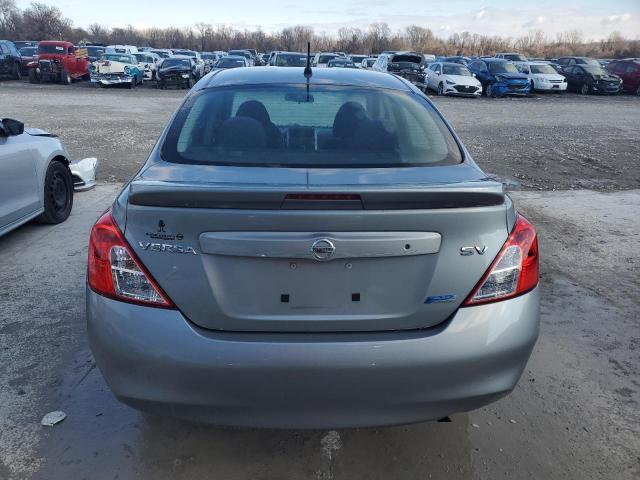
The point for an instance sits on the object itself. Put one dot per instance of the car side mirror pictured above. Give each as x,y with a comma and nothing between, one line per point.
11,127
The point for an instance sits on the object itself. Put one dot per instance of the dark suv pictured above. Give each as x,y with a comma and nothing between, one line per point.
10,60
629,71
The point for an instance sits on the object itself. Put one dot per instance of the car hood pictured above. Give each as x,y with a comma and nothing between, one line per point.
548,76
510,76
36,132
609,76
463,80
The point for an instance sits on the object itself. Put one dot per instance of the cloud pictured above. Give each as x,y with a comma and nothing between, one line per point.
478,15
615,19
539,20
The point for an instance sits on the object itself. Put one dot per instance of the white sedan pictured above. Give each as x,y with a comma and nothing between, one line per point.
542,76
452,79
37,176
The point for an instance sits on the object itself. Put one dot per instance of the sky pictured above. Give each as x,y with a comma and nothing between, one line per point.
596,19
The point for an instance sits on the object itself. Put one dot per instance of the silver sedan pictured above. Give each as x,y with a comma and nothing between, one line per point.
311,250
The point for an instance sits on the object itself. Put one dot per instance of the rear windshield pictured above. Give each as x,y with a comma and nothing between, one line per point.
329,126
230,63
326,58
291,60
59,49
176,62
515,57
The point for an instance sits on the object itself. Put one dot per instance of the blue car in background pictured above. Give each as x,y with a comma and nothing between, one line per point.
499,77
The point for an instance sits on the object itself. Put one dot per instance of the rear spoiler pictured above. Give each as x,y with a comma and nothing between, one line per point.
179,195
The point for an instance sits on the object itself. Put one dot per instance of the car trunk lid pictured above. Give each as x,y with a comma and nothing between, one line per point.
317,250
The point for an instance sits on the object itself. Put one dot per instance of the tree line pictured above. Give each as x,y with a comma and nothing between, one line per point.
44,22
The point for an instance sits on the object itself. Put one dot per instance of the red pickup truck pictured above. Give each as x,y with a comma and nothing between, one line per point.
58,62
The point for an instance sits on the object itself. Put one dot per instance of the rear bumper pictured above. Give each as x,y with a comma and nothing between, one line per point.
155,360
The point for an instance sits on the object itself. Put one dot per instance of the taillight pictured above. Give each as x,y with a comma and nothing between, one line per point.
116,272
514,270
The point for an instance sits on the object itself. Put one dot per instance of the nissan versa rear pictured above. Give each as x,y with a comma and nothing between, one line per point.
311,252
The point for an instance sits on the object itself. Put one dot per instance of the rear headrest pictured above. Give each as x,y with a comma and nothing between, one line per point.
242,133
349,117
256,110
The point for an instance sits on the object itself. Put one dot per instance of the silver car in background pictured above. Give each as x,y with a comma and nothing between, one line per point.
311,251
37,177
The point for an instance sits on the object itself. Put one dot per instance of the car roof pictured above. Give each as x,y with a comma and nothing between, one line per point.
294,75
56,42
493,60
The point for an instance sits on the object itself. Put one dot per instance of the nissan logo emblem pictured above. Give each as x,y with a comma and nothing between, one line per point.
323,249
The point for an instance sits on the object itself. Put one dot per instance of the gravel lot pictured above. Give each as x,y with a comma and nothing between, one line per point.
575,413
548,142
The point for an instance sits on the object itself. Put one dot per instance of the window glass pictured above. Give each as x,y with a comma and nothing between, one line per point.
332,126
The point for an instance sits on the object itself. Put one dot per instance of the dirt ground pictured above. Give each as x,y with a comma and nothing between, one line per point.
575,413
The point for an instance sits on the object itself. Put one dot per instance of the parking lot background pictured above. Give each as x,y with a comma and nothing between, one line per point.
574,414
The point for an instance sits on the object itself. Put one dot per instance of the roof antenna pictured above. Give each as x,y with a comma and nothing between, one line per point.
307,69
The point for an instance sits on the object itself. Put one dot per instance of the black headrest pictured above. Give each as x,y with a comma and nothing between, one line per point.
256,110
348,118
242,133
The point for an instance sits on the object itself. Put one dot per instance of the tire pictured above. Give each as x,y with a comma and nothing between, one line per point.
17,71
190,83
58,194
133,83
584,89
33,76
638,91
65,78
490,92
153,76
440,91
532,87
160,84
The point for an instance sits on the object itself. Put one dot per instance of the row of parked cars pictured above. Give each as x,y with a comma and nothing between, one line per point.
502,74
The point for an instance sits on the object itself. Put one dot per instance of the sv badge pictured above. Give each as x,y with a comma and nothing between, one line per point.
466,251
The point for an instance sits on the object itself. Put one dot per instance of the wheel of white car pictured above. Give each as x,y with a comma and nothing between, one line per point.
58,193
440,91
532,86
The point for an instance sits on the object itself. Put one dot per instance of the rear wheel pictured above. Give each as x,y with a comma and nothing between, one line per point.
58,194
440,91
584,89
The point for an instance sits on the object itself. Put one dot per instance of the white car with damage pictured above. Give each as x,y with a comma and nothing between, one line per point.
542,76
37,176
447,78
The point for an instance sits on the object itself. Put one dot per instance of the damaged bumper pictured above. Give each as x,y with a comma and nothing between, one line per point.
111,78
83,173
